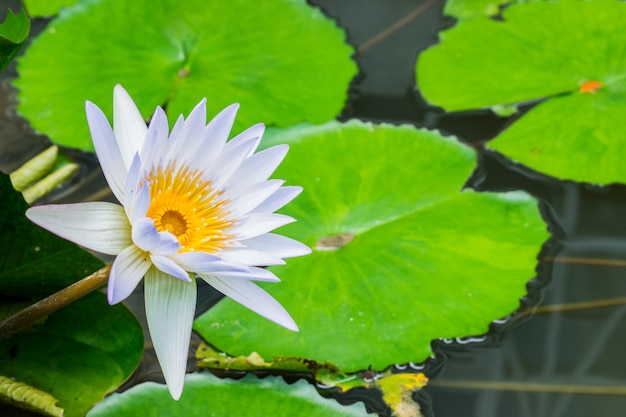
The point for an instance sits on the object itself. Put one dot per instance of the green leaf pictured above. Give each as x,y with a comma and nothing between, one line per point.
249,397
45,8
35,263
79,354
13,33
463,9
283,61
588,146
24,396
542,50
401,256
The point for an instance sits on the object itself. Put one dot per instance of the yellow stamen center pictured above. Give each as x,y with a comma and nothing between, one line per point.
186,205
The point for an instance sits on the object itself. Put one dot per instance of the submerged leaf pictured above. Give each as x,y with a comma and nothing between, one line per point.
401,257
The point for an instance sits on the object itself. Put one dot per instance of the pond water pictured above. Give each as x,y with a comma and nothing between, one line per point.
567,358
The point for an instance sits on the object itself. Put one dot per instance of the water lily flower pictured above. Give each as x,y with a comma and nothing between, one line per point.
192,204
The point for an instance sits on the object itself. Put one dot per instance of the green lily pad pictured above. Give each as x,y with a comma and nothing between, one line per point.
13,33
45,8
463,9
79,354
401,257
283,61
35,263
568,53
249,397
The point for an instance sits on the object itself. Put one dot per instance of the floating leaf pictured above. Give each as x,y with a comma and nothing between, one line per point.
24,396
401,256
45,8
35,263
463,9
13,33
79,354
569,52
284,61
249,397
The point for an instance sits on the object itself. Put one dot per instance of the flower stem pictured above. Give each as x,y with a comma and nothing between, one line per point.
50,304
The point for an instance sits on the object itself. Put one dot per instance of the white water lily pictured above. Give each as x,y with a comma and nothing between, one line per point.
193,203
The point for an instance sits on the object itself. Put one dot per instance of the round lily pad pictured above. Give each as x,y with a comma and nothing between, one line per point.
568,53
44,8
462,9
283,61
78,355
249,397
401,255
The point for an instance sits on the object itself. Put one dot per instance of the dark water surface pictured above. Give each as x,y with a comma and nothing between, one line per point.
565,360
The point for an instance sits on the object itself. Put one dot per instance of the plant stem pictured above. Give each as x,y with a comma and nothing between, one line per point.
50,304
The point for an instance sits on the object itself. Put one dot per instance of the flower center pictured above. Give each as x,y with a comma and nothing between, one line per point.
174,222
186,205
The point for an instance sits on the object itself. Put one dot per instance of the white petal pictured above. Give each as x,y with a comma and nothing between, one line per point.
166,149
277,200
128,269
253,297
250,197
251,257
168,266
254,274
188,138
148,238
128,125
131,184
259,166
205,262
107,150
227,162
253,134
170,307
156,143
213,137
99,226
256,224
277,245
138,207
177,129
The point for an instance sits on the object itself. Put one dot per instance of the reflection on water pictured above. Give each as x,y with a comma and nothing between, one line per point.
566,359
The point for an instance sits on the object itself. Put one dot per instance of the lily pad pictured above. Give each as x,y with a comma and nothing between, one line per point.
249,397
13,33
79,354
463,9
35,263
45,8
569,54
283,61
401,257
